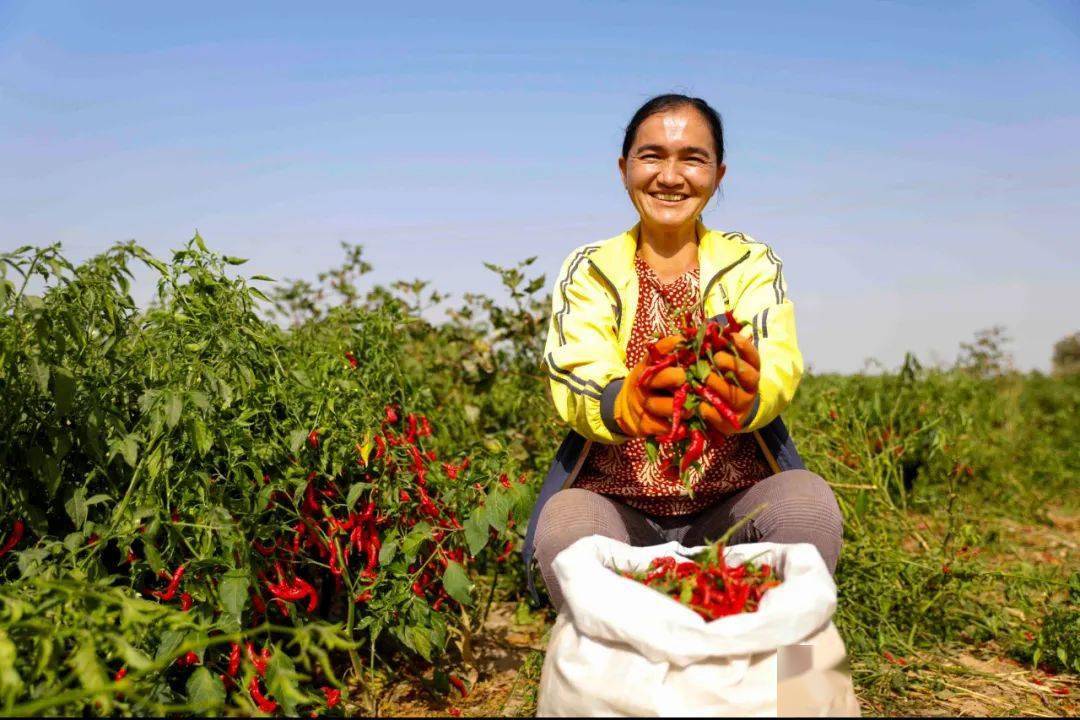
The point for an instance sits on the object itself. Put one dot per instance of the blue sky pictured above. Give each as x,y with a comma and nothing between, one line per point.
914,164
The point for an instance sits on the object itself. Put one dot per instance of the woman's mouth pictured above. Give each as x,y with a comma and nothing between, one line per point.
672,198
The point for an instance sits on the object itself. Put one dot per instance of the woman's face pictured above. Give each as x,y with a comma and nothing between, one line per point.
671,170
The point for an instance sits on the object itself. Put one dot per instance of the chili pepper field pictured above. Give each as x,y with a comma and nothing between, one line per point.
252,496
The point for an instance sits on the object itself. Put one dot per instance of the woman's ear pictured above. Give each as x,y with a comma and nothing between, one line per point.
622,171
720,175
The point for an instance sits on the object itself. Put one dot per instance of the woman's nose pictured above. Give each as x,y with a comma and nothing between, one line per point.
669,172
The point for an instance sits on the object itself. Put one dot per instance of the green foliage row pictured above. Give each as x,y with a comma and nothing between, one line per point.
133,440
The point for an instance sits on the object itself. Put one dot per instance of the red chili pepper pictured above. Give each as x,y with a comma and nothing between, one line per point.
120,674
186,602
132,558
364,597
374,544
190,658
391,414
258,660
507,549
678,403
733,325
333,695
652,370
418,589
457,683
263,549
17,530
170,589
234,660
353,362
298,589
454,711
714,399
335,568
694,451
264,704
403,496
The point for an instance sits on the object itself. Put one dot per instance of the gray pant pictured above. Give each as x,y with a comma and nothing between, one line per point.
800,507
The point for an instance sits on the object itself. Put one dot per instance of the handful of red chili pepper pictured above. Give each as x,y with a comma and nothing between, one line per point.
707,584
690,435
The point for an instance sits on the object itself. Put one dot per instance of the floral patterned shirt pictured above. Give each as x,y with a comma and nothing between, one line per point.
624,471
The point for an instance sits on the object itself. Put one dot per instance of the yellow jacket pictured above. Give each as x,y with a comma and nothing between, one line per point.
593,307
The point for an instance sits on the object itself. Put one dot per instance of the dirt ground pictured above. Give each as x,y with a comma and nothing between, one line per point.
979,681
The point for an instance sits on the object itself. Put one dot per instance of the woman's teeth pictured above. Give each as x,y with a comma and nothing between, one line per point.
669,198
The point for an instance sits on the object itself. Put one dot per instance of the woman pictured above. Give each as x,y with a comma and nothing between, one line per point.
611,299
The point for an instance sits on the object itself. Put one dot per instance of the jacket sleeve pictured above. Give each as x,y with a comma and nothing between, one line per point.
761,302
582,359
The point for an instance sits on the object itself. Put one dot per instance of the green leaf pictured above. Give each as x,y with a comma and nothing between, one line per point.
281,682
204,691
203,441
86,666
296,439
170,641
199,241
153,558
457,583
233,590
652,451
63,390
387,552
700,370
78,505
232,260
476,530
420,532
173,407
129,448
40,371
354,493
420,641
498,507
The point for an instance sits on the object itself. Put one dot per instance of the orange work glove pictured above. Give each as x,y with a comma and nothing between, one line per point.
735,379
630,404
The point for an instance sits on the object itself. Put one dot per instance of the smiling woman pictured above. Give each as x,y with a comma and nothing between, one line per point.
611,301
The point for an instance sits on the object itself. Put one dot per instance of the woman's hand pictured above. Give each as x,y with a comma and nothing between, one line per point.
735,379
631,411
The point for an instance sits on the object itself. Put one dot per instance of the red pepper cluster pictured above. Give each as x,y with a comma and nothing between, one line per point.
707,584
689,434
333,548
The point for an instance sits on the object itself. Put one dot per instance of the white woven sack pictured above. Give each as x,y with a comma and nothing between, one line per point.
622,649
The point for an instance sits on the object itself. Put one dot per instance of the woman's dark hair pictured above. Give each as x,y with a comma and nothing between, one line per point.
662,103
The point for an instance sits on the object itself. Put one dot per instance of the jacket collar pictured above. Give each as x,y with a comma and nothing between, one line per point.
615,257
